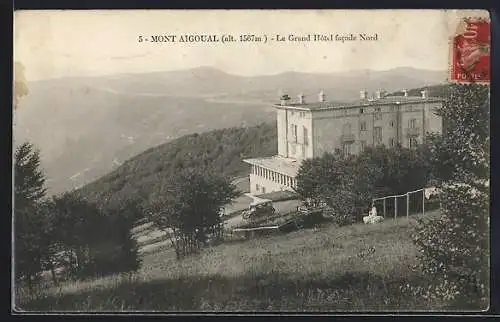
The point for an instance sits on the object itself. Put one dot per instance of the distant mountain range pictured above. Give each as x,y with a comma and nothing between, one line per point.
88,126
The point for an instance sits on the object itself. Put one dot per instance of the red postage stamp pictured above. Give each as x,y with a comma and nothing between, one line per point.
470,61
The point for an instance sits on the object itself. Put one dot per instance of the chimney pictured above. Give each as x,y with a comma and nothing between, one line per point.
321,96
301,99
405,92
285,99
363,95
378,95
424,93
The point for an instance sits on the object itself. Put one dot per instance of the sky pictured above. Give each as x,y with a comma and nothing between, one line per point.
52,44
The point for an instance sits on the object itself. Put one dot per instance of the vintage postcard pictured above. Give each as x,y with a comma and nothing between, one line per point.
251,161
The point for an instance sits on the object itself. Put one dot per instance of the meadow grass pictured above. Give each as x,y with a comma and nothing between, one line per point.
353,268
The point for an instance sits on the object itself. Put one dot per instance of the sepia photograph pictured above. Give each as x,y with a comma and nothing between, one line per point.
251,161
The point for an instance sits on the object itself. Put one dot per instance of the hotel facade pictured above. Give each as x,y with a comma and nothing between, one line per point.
307,130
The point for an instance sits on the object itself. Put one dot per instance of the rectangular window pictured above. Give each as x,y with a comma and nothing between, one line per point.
361,111
377,134
413,123
306,136
257,187
362,126
295,133
263,190
392,123
378,114
391,142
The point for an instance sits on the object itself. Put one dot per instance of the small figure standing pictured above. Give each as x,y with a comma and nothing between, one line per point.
373,212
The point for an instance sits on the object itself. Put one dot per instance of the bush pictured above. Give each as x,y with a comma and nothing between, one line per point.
118,252
339,218
454,248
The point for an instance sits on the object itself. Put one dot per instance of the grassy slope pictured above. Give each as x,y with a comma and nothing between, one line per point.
330,269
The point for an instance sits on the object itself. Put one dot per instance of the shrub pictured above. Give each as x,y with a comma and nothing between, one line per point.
454,247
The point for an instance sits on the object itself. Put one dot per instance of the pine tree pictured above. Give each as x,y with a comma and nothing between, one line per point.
30,223
29,187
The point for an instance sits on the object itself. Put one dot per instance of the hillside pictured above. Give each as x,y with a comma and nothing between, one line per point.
220,151
87,126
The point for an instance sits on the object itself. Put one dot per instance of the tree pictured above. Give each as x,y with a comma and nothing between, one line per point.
96,239
189,209
315,176
31,240
30,225
74,226
29,180
454,247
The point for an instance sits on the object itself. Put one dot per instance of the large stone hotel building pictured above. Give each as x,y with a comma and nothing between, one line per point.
310,129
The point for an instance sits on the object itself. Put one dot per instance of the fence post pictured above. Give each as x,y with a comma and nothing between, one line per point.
423,201
395,207
407,204
384,207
